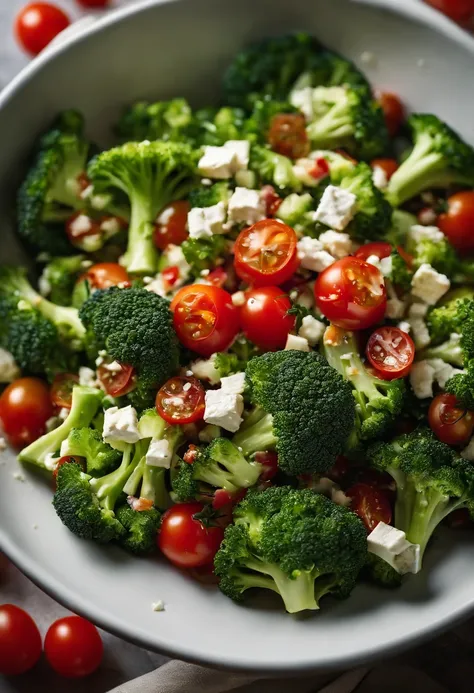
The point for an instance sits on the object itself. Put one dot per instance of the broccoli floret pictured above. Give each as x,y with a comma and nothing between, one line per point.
209,196
449,315
461,386
439,159
100,457
449,351
381,573
304,409
328,69
218,126
221,465
274,169
400,273
151,175
294,208
164,120
236,358
402,224
294,542
84,406
134,326
60,277
439,254
378,402
141,527
50,192
204,253
432,481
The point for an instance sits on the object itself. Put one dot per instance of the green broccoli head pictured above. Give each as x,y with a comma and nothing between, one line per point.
328,69
100,457
381,573
236,358
217,126
204,253
170,121
440,254
141,529
453,322
209,196
307,411
439,159
450,314
274,169
400,273
60,277
294,542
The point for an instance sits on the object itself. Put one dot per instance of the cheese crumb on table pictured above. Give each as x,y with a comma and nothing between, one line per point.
158,606
337,208
3,444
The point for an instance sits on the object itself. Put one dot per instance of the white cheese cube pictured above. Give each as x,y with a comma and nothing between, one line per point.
420,233
337,208
295,343
419,329
336,243
87,377
443,371
157,286
303,99
386,266
159,453
9,371
246,206
392,546
395,307
312,330
205,369
302,170
121,425
380,178
404,326
312,256
217,162
422,378
241,151
238,299
224,409
234,383
175,257
80,225
203,222
429,285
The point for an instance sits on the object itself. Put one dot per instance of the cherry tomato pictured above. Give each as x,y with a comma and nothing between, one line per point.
458,10
459,519
61,389
391,352
224,499
171,225
340,469
388,166
181,400
73,647
20,641
204,318
170,276
205,574
269,462
378,248
320,169
67,459
217,277
184,540
271,199
80,225
106,274
264,317
393,109
140,504
288,136
37,24
25,406
370,504
94,4
266,253
351,293
119,381
450,422
457,223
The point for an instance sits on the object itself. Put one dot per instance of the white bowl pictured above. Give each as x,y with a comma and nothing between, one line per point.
158,50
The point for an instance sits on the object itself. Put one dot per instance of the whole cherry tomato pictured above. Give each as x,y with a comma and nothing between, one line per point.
185,540
37,24
288,136
20,641
25,407
73,647
391,352
459,10
265,319
171,225
451,423
457,223
394,111
370,504
181,400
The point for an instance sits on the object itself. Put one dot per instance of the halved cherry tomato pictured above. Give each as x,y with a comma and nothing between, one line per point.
37,24
181,400
271,200
67,459
217,277
388,166
205,318
269,462
370,504
351,293
320,169
288,136
378,248
459,10
393,109
391,352
73,647
185,540
106,274
457,223
80,225
25,407
266,253
118,380
61,389
340,469
20,641
170,226
451,423
264,317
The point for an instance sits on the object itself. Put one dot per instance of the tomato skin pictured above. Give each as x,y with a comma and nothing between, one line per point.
264,317
106,274
190,394
117,383
37,24
67,459
388,166
73,647
184,540
25,406
288,136
394,111
20,641
457,223
370,504
458,10
170,226
379,248
450,422
391,352
351,294
75,235
204,318
269,462
271,200
61,389
94,4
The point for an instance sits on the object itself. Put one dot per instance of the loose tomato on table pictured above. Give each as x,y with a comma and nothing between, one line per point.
458,10
205,319
351,294
393,109
73,647
457,223
171,225
266,254
265,319
451,423
391,352
388,166
25,407
287,135
370,504
116,378
185,540
37,24
20,641
181,400
61,389
106,274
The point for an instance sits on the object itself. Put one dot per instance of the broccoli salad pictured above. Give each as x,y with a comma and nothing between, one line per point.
249,342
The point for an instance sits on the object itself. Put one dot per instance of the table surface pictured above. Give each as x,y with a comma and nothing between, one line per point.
448,659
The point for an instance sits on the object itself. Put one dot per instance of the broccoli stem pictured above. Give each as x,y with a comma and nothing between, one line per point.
334,126
297,593
108,488
141,256
429,509
449,351
257,436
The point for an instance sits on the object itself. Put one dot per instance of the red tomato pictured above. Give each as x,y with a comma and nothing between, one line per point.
37,24
271,199
73,647
80,225
20,641
457,223
351,294
388,166
170,276
266,253
225,499
204,318
106,274
170,226
269,462
320,169
391,352
264,317
184,540
67,459
139,504
117,382
340,469
288,136
370,504
181,400
459,10
95,4
61,389
459,519
217,277
393,109
378,248
450,422
25,406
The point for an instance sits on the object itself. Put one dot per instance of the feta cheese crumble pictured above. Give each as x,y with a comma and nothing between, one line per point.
204,222
420,233
246,206
205,369
295,343
429,285
159,453
312,256
3,444
121,425
234,383
9,371
241,151
422,377
87,377
312,330
80,225
158,606
224,409
337,244
303,99
416,320
337,208
238,299
391,545
217,162
380,178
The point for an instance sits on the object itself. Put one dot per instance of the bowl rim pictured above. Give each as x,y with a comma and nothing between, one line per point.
415,11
